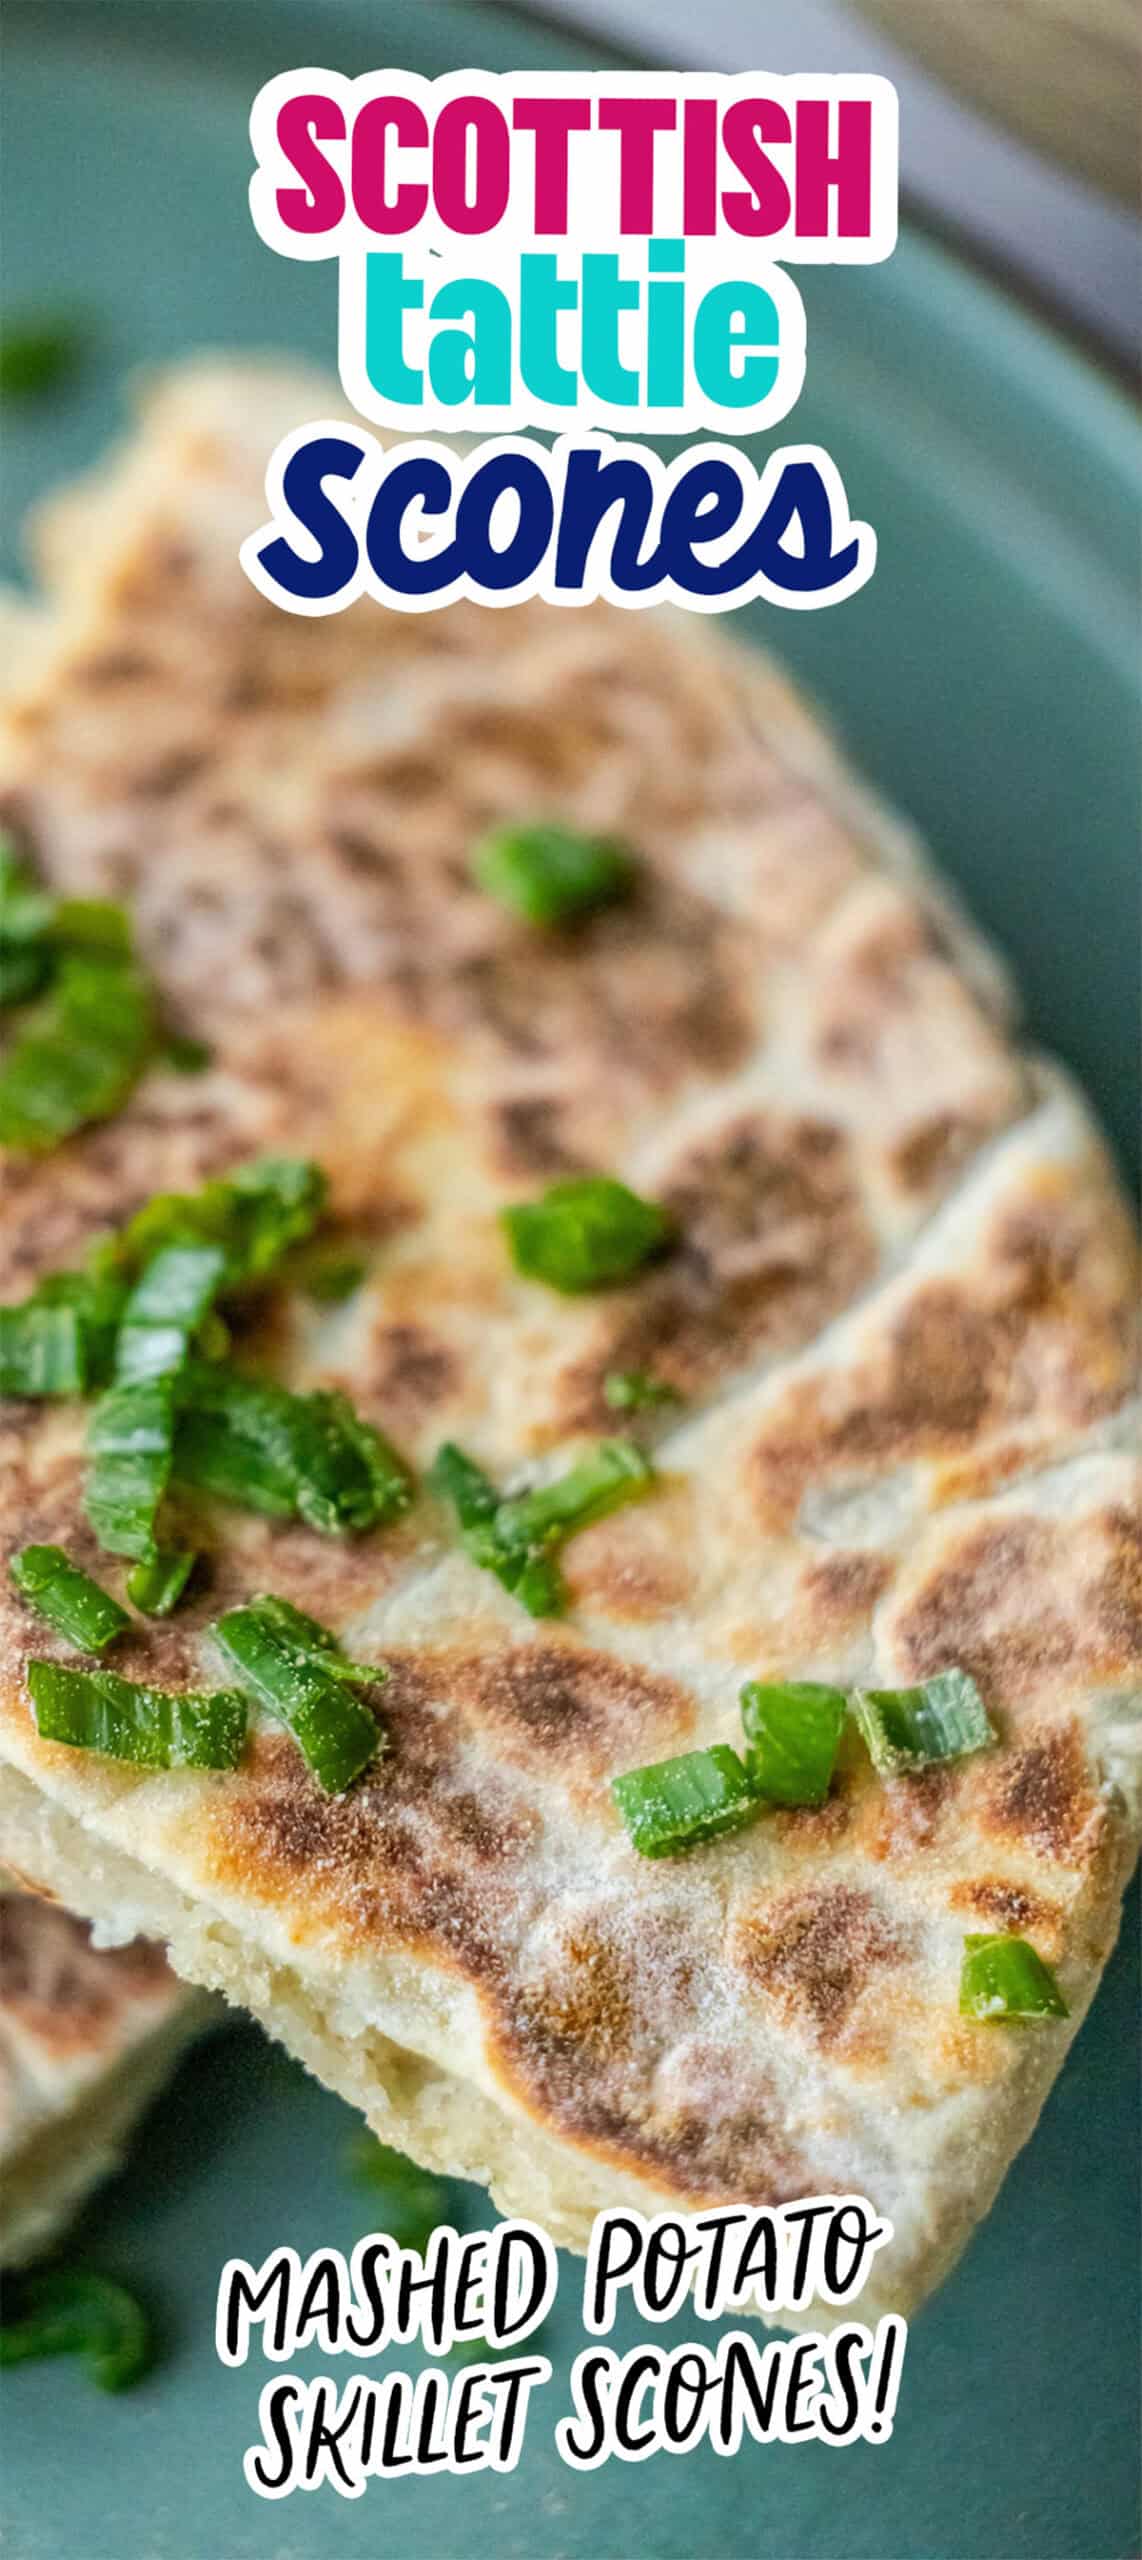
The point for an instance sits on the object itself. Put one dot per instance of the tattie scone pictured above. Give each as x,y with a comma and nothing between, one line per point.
887,1335
87,2036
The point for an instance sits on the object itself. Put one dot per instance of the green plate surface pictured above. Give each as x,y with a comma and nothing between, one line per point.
987,680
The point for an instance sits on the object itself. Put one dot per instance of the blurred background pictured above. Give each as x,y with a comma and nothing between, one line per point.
1019,127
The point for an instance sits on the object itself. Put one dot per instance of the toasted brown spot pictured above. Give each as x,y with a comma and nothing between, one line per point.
552,1705
409,1371
814,1953
1116,1599
844,1588
531,1137
1010,1908
903,1815
1042,1795
771,1240
1042,1334
929,1156
412,1855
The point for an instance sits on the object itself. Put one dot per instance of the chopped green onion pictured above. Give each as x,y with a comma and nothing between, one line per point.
157,1585
188,1057
794,1729
98,926
326,1271
25,920
55,2311
36,355
1004,1978
255,1215
614,1473
79,1055
165,1310
673,1804
67,1598
550,874
255,1443
309,1641
131,1440
153,1728
635,1391
588,1233
532,1580
43,1351
943,1718
336,1734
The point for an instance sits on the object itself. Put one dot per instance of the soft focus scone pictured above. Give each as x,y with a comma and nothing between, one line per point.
899,1318
87,2037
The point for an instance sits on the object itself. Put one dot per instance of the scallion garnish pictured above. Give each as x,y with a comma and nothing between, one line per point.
36,355
534,1581
551,874
614,1473
943,1718
165,1309
587,1233
253,1442
79,1054
674,1804
153,1728
25,921
793,1728
131,1441
188,1057
1004,1978
157,1585
308,1641
67,1598
254,1216
288,1671
635,1391
44,1351
58,2311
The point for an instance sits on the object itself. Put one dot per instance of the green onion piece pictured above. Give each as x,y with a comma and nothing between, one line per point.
349,1475
36,355
166,1308
25,921
326,1271
254,1443
187,1056
131,1440
67,1598
255,1215
43,1351
614,1473
943,1718
98,926
589,1233
54,2311
153,1728
635,1391
336,1734
1004,1978
550,874
673,1804
157,1586
532,1580
309,1641
794,1729
78,1056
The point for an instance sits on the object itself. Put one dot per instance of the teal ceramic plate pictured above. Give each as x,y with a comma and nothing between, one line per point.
986,680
